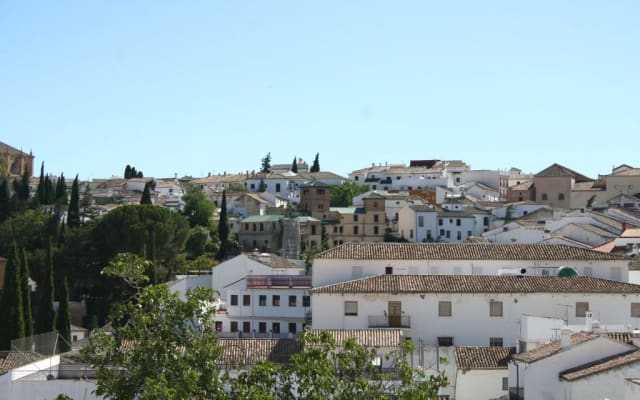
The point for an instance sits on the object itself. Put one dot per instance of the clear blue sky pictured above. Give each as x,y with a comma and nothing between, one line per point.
193,87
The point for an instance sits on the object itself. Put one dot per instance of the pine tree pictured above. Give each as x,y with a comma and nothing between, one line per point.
61,190
26,296
45,321
63,318
294,165
146,195
262,187
316,164
266,164
127,172
73,215
223,228
11,309
40,191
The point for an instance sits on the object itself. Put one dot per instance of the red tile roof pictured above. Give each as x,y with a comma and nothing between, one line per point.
483,357
602,365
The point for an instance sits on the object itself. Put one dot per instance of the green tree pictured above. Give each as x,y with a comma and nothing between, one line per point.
197,208
27,229
40,190
61,190
294,165
324,239
88,209
11,307
26,295
342,195
127,172
146,195
262,187
63,318
265,166
161,347
46,316
223,229
49,191
197,242
315,167
5,198
73,215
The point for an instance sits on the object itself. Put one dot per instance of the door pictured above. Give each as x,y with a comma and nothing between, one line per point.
395,314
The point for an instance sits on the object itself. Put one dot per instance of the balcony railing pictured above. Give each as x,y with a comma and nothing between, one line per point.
383,321
258,281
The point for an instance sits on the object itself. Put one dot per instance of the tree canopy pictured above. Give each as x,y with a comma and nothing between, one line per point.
315,167
197,208
342,195
265,166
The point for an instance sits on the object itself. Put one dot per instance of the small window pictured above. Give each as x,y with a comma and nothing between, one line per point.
246,326
355,230
421,221
319,191
306,301
275,300
505,383
440,221
469,233
350,308
335,229
544,197
581,308
560,196
444,308
486,221
388,270
458,221
313,229
495,342
446,341
262,300
277,187
293,300
246,300
376,218
293,328
275,327
262,327
410,233
234,326
234,299
495,308
261,227
459,235
376,230
355,217
448,234
635,310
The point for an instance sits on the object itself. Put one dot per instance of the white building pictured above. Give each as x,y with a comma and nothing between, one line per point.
358,260
467,310
481,372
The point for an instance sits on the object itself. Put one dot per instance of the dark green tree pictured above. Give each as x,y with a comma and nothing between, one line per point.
197,242
22,192
61,190
223,229
342,195
294,165
265,167
146,195
45,321
11,308
73,215
26,295
40,190
197,208
262,187
88,209
49,191
63,318
324,239
127,172
315,167
5,198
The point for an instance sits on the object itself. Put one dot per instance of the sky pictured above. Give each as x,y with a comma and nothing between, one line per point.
198,87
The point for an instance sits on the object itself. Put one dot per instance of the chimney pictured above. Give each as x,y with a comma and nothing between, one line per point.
588,321
624,226
565,338
635,337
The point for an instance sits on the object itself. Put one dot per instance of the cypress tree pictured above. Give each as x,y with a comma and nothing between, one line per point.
45,321
40,191
294,165
127,172
61,190
265,168
11,310
49,193
63,318
26,296
223,228
316,164
146,195
73,215
262,187
5,199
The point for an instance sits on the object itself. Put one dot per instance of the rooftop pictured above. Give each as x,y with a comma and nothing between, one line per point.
483,357
602,365
366,337
557,170
242,352
552,348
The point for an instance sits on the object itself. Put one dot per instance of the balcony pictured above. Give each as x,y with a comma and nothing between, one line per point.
383,321
269,281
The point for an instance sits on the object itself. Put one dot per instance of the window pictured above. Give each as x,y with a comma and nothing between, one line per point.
262,300
252,186
440,221
246,326
388,270
350,308
275,327
341,229
469,233
441,232
262,327
560,196
581,308
313,229
234,299
234,326
376,218
277,187
246,300
293,300
421,221
335,229
495,308
429,236
275,300
486,221
292,327
410,233
544,197
445,341
448,234
635,310
261,227
355,230
306,301
355,217
319,191
459,235
505,383
444,308
376,230
495,341
458,222
218,326
246,227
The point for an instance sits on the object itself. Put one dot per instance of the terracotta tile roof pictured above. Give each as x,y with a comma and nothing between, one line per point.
631,233
552,348
606,247
366,337
461,251
478,284
483,357
242,352
602,365
14,359
557,170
